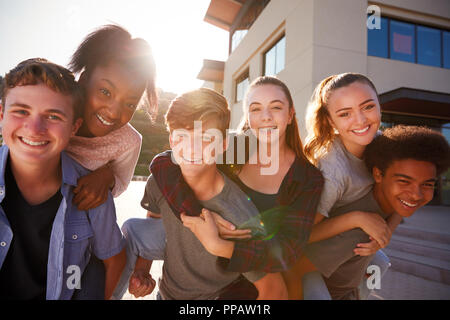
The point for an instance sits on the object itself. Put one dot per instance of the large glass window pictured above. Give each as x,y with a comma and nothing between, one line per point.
274,58
446,48
402,41
410,42
237,37
377,42
242,84
428,46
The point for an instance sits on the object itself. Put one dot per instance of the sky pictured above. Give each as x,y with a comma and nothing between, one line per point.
175,30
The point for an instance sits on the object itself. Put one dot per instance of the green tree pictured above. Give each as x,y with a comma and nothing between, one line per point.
155,137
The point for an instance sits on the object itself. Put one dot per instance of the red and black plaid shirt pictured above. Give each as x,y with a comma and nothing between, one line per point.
300,191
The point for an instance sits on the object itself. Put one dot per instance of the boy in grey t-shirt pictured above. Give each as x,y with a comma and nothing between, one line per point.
189,271
197,122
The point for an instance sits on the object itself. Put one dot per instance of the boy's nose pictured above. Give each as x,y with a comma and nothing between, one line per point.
36,125
416,193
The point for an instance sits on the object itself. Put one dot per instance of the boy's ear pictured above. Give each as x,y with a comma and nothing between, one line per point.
76,125
377,174
170,140
1,112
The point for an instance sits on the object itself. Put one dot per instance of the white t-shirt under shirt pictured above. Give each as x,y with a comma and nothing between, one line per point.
120,148
346,178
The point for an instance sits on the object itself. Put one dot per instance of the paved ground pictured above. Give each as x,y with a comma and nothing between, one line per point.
128,206
401,286
394,285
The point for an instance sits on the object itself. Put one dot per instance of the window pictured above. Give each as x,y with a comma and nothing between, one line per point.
377,43
410,42
237,37
428,46
274,58
402,41
446,48
242,84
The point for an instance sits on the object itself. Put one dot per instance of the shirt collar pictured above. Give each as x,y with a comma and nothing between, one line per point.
69,172
296,172
3,158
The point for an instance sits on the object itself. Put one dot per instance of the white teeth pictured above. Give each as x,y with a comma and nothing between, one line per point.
193,161
34,143
106,123
362,130
268,129
408,204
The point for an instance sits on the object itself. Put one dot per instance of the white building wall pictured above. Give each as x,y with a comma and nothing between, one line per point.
325,37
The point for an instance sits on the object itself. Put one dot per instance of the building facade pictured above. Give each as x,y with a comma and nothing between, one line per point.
403,46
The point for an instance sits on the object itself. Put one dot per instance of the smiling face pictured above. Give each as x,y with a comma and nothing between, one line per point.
112,95
354,111
37,123
196,149
406,186
268,109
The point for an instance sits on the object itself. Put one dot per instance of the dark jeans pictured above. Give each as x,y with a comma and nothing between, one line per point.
92,281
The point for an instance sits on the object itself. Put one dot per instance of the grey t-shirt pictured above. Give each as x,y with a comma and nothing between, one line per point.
334,257
189,271
346,178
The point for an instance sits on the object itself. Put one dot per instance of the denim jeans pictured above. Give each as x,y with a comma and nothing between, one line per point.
145,238
314,287
92,285
381,260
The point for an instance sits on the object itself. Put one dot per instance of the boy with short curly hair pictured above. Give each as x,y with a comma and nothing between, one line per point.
406,162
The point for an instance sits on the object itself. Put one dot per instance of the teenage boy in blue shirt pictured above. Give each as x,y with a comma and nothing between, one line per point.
45,242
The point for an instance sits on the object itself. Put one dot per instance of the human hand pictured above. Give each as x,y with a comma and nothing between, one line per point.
141,283
376,227
153,215
367,248
207,232
227,230
92,189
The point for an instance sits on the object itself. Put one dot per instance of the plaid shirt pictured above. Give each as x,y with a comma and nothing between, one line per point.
300,191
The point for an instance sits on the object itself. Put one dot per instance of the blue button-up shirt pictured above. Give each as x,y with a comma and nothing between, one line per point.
75,234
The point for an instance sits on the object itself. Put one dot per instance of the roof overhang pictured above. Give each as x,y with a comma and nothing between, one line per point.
416,102
221,13
212,70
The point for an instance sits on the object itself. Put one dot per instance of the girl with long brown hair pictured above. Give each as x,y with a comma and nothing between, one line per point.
343,117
